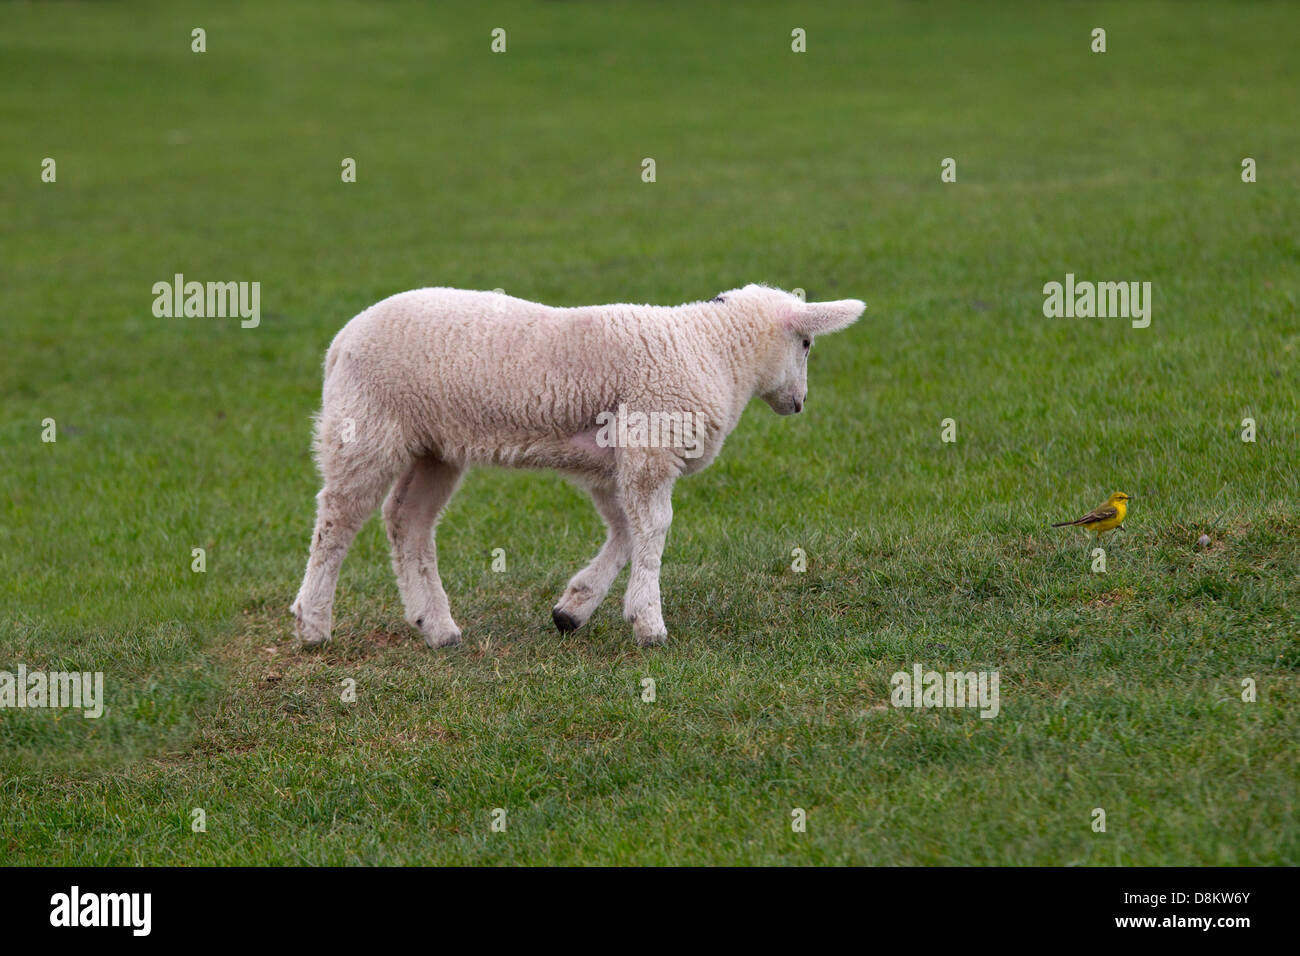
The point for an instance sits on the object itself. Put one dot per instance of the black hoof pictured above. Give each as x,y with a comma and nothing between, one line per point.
563,620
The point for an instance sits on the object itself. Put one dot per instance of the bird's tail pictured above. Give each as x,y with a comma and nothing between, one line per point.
1062,524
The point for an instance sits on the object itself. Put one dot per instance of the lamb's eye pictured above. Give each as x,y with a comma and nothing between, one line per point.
807,343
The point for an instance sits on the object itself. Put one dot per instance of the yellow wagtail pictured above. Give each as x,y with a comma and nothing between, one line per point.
1104,517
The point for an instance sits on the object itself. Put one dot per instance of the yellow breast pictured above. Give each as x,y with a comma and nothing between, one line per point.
1121,509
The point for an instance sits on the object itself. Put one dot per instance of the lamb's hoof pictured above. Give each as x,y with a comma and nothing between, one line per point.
565,621
442,639
649,638
446,634
311,635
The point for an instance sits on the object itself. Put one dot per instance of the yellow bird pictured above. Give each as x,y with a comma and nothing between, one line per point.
1104,517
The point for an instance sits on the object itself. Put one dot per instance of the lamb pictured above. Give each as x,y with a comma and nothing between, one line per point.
426,383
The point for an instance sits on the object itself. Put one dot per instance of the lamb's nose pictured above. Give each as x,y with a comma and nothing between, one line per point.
798,407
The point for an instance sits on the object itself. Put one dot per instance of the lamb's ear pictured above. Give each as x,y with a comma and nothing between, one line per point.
819,318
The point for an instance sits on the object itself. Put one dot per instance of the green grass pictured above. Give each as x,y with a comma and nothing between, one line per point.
522,171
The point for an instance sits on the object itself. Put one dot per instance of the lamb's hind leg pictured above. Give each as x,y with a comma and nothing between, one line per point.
341,509
411,512
589,586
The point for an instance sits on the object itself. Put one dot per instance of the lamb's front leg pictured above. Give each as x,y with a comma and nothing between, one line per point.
647,501
589,586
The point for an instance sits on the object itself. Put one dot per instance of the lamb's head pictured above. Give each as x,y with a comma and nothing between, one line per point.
787,326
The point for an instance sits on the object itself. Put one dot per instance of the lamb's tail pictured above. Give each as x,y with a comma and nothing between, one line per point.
318,423
331,359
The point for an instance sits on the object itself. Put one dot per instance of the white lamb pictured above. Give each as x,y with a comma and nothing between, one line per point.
426,383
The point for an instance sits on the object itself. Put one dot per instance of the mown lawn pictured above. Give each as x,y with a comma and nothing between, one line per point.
1120,691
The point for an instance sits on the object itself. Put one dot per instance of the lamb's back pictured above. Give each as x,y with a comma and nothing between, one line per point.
483,362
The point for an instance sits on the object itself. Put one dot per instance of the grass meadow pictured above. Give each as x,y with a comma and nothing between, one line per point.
523,170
